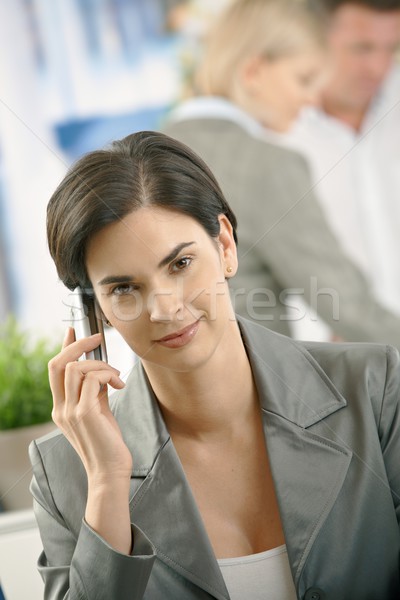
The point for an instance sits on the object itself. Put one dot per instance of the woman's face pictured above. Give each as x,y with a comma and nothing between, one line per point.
278,89
160,280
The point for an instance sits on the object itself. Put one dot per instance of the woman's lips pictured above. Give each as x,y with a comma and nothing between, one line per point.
179,338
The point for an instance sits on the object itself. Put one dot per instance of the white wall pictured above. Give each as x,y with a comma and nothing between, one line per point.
20,546
32,166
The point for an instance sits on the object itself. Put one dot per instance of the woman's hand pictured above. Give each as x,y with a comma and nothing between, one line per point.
82,412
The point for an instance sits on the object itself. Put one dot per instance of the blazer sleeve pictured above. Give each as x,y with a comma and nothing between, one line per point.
293,237
84,567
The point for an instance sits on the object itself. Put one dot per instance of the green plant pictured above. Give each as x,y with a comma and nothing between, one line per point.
25,397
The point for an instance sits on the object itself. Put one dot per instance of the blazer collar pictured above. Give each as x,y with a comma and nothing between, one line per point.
289,380
140,420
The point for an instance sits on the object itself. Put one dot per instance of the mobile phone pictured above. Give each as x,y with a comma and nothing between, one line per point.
85,318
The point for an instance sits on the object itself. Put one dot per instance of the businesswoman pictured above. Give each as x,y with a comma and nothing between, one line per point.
263,61
235,462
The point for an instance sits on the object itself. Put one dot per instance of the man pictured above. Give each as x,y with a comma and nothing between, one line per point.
352,140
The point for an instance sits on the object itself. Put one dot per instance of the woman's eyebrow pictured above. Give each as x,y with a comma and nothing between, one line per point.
115,279
174,253
130,278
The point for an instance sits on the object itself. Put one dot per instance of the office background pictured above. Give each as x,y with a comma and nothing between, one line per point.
75,74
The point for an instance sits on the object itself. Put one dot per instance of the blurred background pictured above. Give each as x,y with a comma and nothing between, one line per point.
75,74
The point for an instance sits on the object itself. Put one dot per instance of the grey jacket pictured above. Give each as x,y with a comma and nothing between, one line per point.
332,426
285,242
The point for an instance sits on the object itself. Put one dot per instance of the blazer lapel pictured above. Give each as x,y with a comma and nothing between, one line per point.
162,504
308,473
308,468
166,511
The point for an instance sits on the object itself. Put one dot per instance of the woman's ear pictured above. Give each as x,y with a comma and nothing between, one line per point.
251,74
227,246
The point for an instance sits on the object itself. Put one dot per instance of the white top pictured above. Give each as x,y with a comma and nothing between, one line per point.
357,176
262,576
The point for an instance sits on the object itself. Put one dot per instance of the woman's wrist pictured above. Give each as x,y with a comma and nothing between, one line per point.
104,482
107,512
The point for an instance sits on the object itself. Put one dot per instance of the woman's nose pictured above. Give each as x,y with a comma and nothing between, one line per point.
165,303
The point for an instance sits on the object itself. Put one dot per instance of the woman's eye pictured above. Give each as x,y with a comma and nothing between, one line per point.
181,263
123,289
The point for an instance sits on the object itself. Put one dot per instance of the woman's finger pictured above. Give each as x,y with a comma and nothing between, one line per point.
93,386
72,386
85,366
76,371
72,351
83,393
93,381
69,337
56,368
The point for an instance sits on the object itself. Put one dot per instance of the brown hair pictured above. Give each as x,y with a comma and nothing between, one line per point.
143,169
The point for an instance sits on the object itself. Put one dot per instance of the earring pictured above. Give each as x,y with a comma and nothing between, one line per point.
229,269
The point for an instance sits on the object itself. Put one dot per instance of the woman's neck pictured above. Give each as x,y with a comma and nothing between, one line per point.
213,398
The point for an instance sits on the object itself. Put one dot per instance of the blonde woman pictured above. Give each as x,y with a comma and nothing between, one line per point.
263,61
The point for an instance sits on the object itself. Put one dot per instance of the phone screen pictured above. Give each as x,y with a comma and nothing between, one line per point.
85,318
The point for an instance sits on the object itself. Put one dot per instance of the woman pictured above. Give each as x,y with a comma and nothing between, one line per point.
263,61
235,462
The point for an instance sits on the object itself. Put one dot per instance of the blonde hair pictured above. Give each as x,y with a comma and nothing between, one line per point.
247,28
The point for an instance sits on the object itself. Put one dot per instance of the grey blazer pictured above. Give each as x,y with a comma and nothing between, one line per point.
332,426
285,241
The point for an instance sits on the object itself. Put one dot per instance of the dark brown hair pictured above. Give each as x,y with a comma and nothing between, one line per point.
143,169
